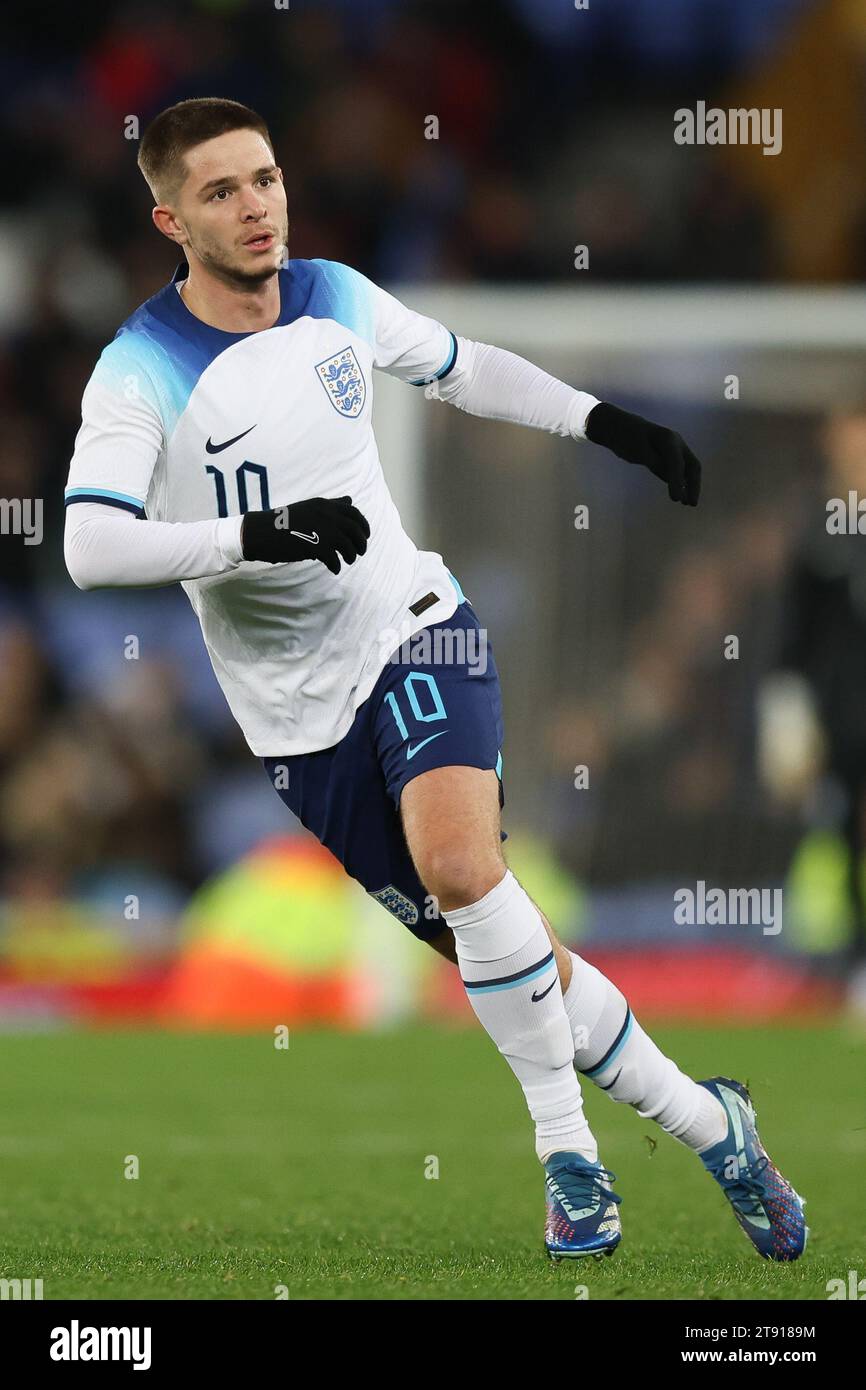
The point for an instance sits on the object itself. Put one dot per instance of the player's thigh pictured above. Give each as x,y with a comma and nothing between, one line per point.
451,819
339,795
438,732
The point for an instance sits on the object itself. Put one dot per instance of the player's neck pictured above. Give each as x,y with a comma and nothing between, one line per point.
228,308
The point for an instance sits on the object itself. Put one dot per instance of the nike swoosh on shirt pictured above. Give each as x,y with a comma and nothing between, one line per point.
218,448
537,998
313,538
410,751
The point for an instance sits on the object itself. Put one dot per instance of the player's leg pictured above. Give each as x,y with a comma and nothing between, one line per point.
613,1051
450,817
616,1054
443,944
715,1118
438,733
451,820
340,796
437,729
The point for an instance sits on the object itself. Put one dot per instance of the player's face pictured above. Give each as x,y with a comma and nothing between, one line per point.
232,207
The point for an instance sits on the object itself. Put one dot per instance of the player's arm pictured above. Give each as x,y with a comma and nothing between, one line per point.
499,385
104,548
495,383
108,542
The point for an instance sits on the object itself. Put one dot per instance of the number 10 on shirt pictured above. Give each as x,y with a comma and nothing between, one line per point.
241,483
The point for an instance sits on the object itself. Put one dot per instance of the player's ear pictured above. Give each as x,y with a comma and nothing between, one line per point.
165,221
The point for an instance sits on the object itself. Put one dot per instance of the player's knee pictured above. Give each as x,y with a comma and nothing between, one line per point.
457,877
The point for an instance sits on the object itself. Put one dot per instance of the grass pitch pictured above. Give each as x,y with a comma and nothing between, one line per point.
305,1168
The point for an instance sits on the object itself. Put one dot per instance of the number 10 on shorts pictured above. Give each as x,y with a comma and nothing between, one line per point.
437,712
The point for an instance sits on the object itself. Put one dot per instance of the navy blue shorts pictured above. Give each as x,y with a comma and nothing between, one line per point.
440,707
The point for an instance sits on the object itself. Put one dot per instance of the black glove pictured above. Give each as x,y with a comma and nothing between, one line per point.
662,451
322,528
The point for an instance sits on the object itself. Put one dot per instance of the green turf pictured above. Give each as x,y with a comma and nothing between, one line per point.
305,1168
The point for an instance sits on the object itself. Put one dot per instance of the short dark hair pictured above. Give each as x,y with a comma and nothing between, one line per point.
178,128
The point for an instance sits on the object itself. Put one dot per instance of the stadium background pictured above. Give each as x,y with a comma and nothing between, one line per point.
147,871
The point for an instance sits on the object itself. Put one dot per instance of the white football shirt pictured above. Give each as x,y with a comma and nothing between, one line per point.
182,422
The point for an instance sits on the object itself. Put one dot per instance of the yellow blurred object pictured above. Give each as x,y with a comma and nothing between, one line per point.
818,914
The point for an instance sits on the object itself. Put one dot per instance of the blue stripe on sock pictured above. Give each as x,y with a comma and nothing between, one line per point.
508,981
615,1048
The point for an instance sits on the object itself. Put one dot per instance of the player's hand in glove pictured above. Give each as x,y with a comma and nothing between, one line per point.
664,452
323,528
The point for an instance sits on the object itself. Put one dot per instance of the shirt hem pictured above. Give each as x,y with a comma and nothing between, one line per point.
367,683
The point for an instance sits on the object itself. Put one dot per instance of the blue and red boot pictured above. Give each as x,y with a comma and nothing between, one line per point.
765,1204
582,1216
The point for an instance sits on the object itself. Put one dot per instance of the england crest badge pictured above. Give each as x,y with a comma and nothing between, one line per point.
343,380
398,904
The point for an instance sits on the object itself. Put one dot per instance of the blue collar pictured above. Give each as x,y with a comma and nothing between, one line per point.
175,312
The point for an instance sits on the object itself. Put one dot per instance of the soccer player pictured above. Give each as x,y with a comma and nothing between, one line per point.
226,443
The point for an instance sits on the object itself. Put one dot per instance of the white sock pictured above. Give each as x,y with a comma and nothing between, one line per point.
507,965
613,1050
